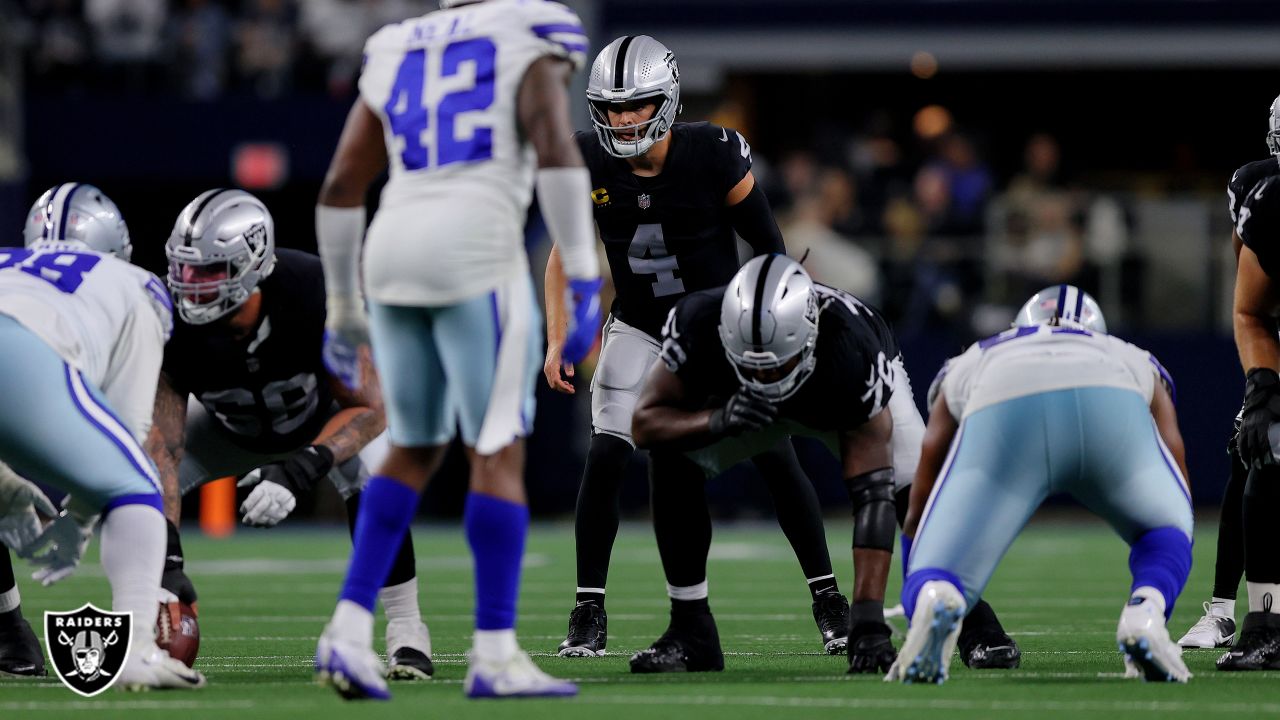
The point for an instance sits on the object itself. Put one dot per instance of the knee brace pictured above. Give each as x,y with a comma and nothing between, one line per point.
874,519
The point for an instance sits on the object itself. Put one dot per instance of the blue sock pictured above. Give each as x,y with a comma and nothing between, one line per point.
906,555
1161,558
496,530
916,580
386,509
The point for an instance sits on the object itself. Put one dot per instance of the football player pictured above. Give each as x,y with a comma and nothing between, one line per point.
469,105
247,347
83,333
1255,312
668,199
1217,627
1053,404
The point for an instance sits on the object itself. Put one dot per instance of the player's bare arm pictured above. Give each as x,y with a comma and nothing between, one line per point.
165,444
1166,417
660,420
938,435
361,156
865,451
362,417
1254,309
554,284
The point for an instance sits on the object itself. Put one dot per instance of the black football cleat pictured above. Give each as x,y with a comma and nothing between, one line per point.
831,613
1258,647
20,651
870,649
407,663
588,632
688,645
983,643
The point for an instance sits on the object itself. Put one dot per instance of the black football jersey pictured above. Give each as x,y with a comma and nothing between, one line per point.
669,235
1259,224
268,390
1243,180
852,379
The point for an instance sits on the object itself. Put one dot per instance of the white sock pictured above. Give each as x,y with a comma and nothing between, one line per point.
1152,595
1222,607
495,646
691,592
401,601
352,622
133,542
1263,597
10,600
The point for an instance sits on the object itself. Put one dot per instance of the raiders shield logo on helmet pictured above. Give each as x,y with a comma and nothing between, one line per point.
88,646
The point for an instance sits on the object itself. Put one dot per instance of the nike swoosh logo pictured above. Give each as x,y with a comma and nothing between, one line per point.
724,135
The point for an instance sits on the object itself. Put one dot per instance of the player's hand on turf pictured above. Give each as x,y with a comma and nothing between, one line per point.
746,411
20,500
870,649
276,485
60,547
1261,411
558,371
583,299
345,331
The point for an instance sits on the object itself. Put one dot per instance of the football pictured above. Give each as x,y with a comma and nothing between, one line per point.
177,631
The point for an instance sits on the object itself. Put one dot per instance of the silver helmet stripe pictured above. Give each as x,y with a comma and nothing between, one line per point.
55,214
620,63
757,311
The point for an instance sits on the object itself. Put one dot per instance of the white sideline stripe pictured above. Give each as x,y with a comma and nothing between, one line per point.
1217,708
99,705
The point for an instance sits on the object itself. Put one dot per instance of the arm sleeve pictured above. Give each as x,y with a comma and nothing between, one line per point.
753,220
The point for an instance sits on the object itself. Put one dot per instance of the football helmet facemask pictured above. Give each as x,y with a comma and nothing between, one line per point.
1273,127
1064,305
78,212
770,345
221,247
631,68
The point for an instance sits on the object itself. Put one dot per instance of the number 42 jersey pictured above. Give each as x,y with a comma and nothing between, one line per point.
450,225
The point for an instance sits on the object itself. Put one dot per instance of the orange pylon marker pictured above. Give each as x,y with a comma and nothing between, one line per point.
218,507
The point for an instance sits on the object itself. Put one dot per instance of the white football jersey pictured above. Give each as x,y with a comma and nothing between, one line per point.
104,317
1029,360
450,225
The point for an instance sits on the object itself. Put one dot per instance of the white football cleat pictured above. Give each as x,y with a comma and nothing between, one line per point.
351,668
152,669
935,626
1144,641
1213,630
409,650
517,677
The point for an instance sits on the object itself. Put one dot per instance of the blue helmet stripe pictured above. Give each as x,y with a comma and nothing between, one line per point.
1062,300
66,210
1079,305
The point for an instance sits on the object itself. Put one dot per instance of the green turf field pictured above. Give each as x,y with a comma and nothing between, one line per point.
264,596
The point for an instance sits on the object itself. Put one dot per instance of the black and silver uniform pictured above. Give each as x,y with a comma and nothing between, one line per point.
851,382
268,390
1243,180
668,235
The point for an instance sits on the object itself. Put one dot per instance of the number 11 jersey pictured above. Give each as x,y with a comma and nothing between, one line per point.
450,225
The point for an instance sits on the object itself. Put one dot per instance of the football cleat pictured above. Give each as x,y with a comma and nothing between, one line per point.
409,650
153,669
1144,641
870,648
588,632
352,669
20,651
983,643
1212,630
831,613
1259,644
935,628
689,645
517,677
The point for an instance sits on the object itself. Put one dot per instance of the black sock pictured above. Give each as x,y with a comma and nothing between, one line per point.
981,620
404,567
901,501
681,520
1261,508
593,598
866,611
823,586
1229,564
689,608
596,516
796,503
7,583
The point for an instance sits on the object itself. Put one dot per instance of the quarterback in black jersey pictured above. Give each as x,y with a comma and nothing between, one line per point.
668,200
774,355
1217,628
247,347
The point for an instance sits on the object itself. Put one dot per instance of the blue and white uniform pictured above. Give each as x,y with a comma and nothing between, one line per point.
83,336
1043,410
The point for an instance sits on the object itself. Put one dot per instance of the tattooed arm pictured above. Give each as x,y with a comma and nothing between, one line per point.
361,419
165,443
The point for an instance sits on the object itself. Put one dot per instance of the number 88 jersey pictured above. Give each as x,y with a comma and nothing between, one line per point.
450,225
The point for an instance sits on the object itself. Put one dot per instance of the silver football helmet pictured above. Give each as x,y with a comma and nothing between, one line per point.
221,247
1065,305
1273,127
82,213
769,325
634,67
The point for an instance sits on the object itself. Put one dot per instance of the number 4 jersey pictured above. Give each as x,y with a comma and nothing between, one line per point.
450,225
104,317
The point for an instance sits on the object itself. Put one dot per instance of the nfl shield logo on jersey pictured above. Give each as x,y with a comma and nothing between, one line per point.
88,646
644,201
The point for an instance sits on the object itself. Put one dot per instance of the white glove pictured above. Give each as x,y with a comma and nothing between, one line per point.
268,503
19,502
64,542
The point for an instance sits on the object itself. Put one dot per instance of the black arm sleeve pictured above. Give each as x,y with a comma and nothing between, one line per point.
753,220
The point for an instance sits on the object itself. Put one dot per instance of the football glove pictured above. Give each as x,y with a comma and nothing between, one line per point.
345,330
63,544
20,499
583,299
746,411
870,649
276,485
1261,411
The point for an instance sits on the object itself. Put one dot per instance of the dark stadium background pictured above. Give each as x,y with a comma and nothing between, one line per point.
1152,104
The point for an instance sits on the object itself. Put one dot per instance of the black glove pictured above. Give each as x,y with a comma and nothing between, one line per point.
301,471
870,649
746,411
174,579
1261,410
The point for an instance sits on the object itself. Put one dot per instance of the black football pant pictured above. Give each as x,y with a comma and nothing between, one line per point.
1229,563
